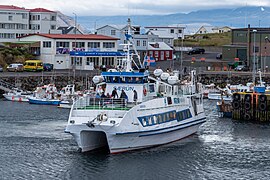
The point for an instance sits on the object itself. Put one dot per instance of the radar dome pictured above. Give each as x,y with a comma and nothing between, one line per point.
97,79
164,76
172,79
112,70
158,72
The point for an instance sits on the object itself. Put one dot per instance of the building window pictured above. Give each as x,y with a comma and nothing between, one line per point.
80,46
34,26
167,54
113,32
62,44
35,17
107,61
7,35
179,30
93,44
47,44
94,60
151,53
108,45
138,43
156,53
172,30
256,49
144,43
53,18
10,18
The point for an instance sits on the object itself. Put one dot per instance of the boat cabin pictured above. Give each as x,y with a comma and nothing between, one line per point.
129,82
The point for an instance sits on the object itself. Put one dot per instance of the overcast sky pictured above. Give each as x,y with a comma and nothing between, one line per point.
131,7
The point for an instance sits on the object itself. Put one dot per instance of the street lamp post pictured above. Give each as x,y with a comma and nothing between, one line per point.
254,56
181,58
75,44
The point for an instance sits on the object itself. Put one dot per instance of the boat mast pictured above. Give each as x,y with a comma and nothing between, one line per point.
128,67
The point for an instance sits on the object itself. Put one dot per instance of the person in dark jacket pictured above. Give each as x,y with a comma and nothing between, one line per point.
114,93
135,96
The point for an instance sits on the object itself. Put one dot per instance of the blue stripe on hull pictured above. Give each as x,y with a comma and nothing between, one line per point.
172,129
32,101
180,126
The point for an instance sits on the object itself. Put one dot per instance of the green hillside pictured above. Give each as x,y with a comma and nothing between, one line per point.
214,39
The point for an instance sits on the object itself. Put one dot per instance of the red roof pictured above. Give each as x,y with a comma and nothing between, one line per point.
75,36
11,7
40,10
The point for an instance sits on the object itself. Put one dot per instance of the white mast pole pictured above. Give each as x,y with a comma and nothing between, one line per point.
128,68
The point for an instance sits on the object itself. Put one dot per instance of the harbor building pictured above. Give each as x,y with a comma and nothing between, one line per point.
249,45
16,21
75,51
140,40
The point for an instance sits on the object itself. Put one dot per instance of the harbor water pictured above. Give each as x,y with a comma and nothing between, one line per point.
33,145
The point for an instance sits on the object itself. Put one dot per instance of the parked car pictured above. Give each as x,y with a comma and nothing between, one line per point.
241,68
47,67
15,67
219,56
196,51
1,68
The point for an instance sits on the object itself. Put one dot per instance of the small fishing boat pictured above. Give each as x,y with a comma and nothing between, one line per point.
45,95
18,95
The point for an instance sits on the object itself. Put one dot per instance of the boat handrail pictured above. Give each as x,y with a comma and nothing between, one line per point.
90,102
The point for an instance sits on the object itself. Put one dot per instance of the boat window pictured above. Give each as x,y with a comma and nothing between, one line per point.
169,99
155,119
176,101
144,121
151,88
116,79
148,121
160,118
167,116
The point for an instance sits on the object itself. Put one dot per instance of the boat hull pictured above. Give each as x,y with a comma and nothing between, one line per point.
44,102
90,138
124,143
16,98
219,97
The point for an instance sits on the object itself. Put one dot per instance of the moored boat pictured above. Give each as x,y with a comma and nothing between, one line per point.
45,95
18,95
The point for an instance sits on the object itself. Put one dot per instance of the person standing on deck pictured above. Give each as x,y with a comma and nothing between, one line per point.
135,96
114,93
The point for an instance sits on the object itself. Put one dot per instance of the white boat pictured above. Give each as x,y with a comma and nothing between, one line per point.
219,96
226,93
45,95
162,112
67,96
19,95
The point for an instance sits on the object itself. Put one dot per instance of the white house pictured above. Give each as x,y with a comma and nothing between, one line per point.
84,52
140,40
166,33
213,29
16,21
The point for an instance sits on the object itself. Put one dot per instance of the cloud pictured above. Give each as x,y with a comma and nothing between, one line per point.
131,7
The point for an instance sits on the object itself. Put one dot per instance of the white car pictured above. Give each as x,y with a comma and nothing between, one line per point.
15,67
